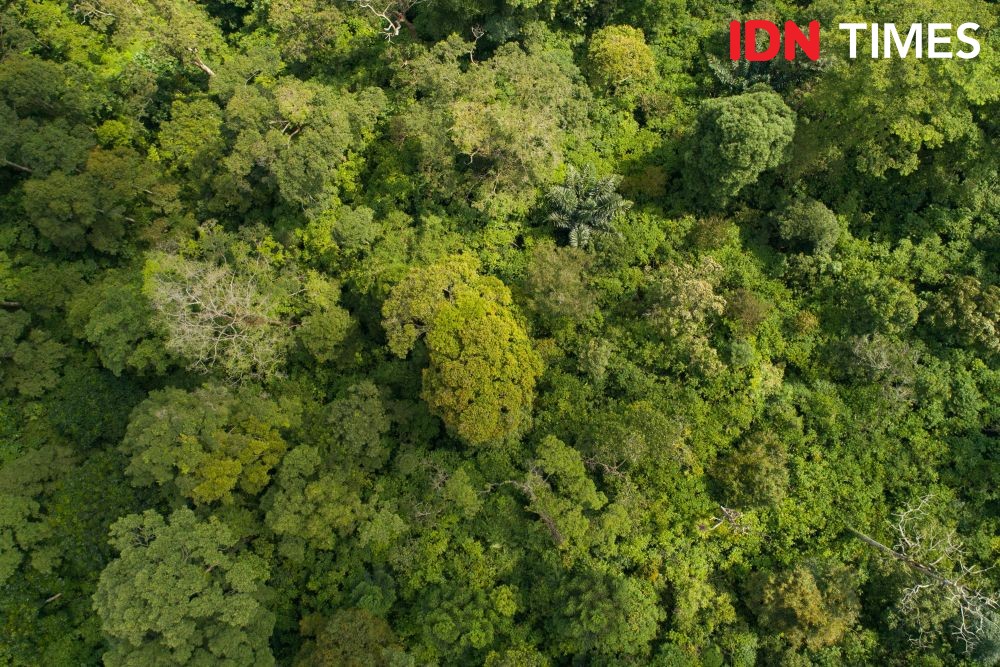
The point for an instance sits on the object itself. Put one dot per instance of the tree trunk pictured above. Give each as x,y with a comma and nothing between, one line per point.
902,558
203,67
412,29
19,167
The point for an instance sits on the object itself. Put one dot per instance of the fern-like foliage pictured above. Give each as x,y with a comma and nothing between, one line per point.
738,76
586,205
742,76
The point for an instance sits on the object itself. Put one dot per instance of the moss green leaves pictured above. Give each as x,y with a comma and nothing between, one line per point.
482,371
737,139
182,592
208,445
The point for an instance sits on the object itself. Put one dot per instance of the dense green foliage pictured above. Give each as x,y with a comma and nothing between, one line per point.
536,334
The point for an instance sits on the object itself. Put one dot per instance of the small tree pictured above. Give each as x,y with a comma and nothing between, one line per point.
25,528
737,139
808,606
586,205
352,638
810,224
310,506
685,305
619,60
556,280
967,312
115,317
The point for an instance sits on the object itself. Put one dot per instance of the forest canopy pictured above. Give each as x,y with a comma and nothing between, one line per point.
495,332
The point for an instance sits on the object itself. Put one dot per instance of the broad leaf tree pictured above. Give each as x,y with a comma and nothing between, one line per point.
182,591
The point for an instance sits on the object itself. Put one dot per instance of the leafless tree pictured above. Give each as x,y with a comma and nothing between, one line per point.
937,557
610,469
392,13
733,518
219,318
477,34
89,11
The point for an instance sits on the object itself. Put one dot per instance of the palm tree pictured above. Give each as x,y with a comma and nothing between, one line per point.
586,205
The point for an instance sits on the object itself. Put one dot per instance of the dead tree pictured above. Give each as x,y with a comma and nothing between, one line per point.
732,518
218,318
477,34
937,559
199,63
18,167
392,13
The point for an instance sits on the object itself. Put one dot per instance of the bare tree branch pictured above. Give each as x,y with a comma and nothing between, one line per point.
392,13
200,64
19,167
732,518
938,558
218,318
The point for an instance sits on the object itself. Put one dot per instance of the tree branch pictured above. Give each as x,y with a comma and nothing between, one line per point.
19,167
